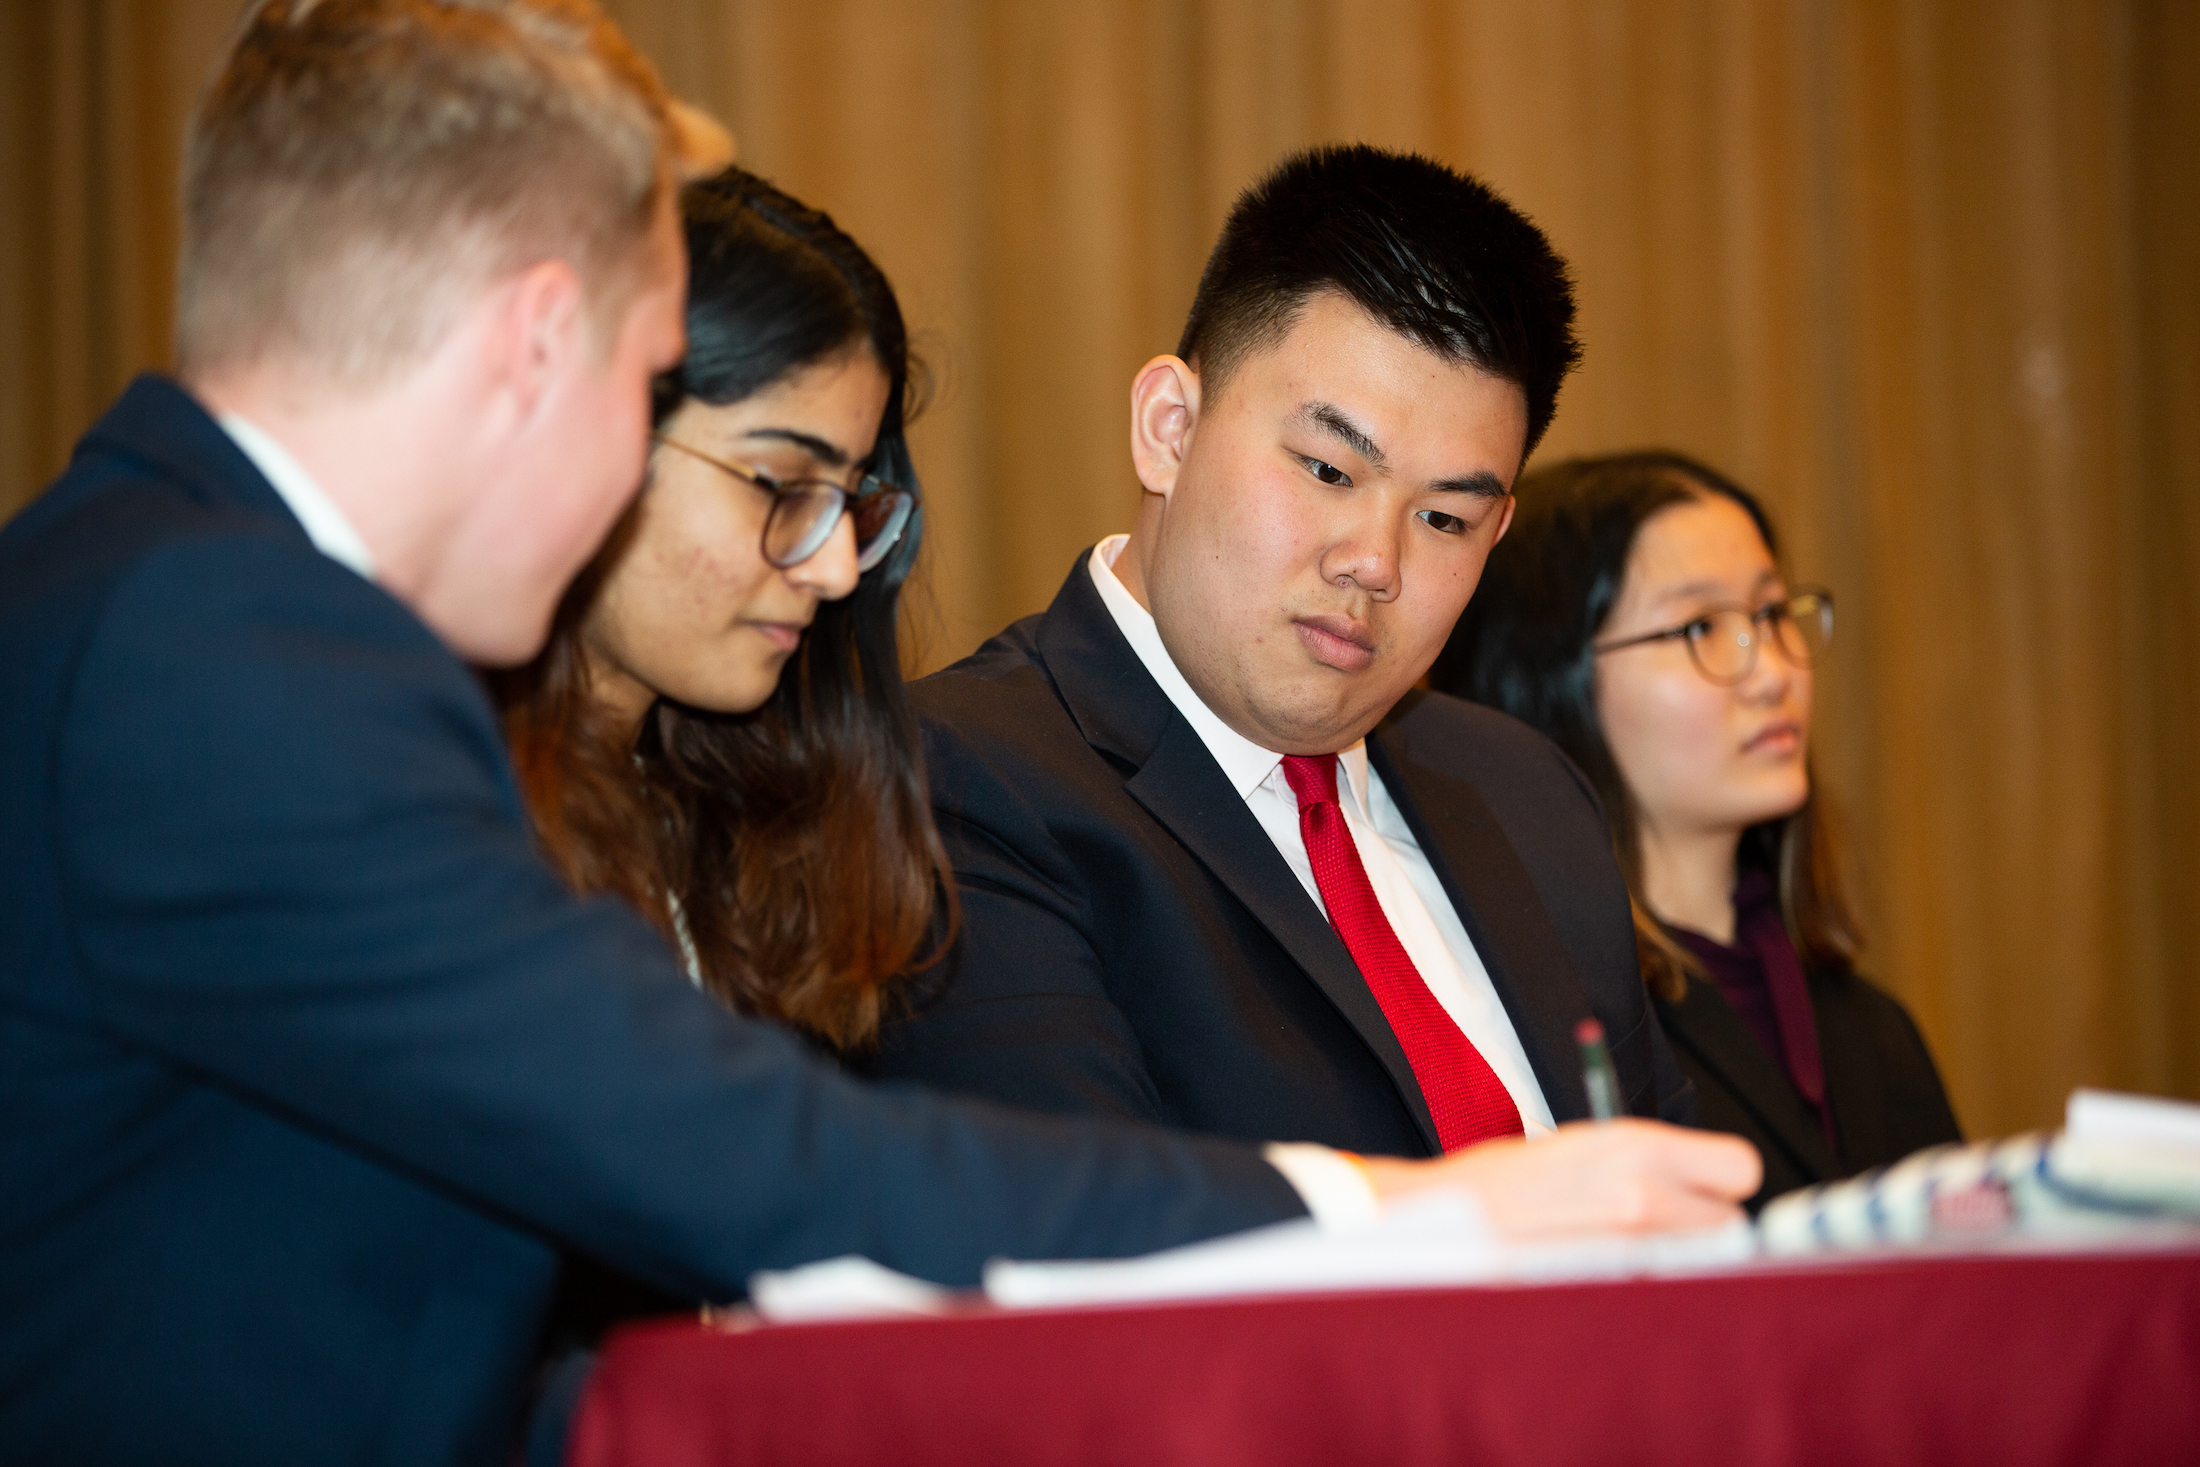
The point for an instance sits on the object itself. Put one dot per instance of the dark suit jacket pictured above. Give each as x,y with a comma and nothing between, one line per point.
309,1070
1881,1084
1133,944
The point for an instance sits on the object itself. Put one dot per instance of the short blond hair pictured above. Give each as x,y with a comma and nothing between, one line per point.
359,170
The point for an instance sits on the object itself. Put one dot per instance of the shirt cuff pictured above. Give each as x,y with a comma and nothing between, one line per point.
1333,1185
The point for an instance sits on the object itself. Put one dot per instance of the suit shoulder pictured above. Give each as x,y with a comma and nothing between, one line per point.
232,573
1002,748
113,530
1867,1003
1488,745
94,525
1426,710
121,573
279,680
255,646
996,689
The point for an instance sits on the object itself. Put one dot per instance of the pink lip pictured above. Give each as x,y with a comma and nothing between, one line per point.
1783,737
785,635
1336,641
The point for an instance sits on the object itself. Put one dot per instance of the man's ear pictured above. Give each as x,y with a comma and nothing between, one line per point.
1504,519
1164,411
542,332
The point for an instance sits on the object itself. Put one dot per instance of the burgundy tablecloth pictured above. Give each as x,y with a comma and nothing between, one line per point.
2005,1360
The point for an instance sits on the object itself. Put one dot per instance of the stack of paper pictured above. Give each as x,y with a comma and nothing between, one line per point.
2123,1168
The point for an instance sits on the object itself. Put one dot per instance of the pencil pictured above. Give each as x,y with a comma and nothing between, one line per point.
1596,1070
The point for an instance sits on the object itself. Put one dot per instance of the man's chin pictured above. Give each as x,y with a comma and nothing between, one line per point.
1317,724
505,640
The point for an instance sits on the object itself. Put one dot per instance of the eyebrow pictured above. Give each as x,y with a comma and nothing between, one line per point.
1690,589
1328,418
1324,417
831,455
1484,485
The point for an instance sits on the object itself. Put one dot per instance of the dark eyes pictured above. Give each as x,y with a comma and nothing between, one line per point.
1771,614
1435,519
1327,473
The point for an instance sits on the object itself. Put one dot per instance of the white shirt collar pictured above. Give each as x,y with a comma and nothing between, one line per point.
332,534
1244,763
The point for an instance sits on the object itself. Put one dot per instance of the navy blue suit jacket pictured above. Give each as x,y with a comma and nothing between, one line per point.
1133,944
310,1071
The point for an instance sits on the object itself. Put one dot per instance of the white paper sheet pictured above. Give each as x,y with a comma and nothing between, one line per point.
2113,1116
849,1287
1426,1244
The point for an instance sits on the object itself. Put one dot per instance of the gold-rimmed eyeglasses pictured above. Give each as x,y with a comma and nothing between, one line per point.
1722,640
805,512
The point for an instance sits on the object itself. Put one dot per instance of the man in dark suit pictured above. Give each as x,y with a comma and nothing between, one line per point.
312,1071
1143,789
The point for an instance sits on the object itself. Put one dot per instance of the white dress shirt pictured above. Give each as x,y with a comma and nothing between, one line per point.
1412,899
332,534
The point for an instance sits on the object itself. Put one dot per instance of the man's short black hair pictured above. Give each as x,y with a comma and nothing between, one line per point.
1433,254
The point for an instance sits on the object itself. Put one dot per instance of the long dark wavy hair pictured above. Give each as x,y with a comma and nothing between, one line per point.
796,839
1526,645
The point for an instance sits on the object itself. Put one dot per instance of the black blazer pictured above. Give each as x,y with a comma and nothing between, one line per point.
1133,944
1881,1085
310,1071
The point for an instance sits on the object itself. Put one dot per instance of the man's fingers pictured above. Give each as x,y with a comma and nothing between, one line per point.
1679,1211
1625,1176
1679,1179
1706,1161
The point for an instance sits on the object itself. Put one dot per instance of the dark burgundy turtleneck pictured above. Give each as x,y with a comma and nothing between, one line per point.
1762,977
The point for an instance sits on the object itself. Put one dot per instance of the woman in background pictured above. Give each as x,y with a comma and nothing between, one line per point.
717,730
1637,614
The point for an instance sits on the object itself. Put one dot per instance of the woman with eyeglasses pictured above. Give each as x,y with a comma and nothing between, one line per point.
716,730
1637,613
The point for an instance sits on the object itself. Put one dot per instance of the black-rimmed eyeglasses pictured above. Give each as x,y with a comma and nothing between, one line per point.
805,512
1722,640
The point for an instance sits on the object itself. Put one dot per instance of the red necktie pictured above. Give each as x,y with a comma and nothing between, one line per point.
1467,1100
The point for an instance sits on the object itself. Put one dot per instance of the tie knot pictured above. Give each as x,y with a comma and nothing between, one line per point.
1313,777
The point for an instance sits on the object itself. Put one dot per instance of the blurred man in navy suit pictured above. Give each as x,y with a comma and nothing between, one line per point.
311,1070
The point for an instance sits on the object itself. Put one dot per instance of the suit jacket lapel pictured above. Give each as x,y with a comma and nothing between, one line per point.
1706,1025
1184,789
1498,905
1123,713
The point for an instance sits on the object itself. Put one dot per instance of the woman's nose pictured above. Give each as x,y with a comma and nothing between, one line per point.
1771,677
831,573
